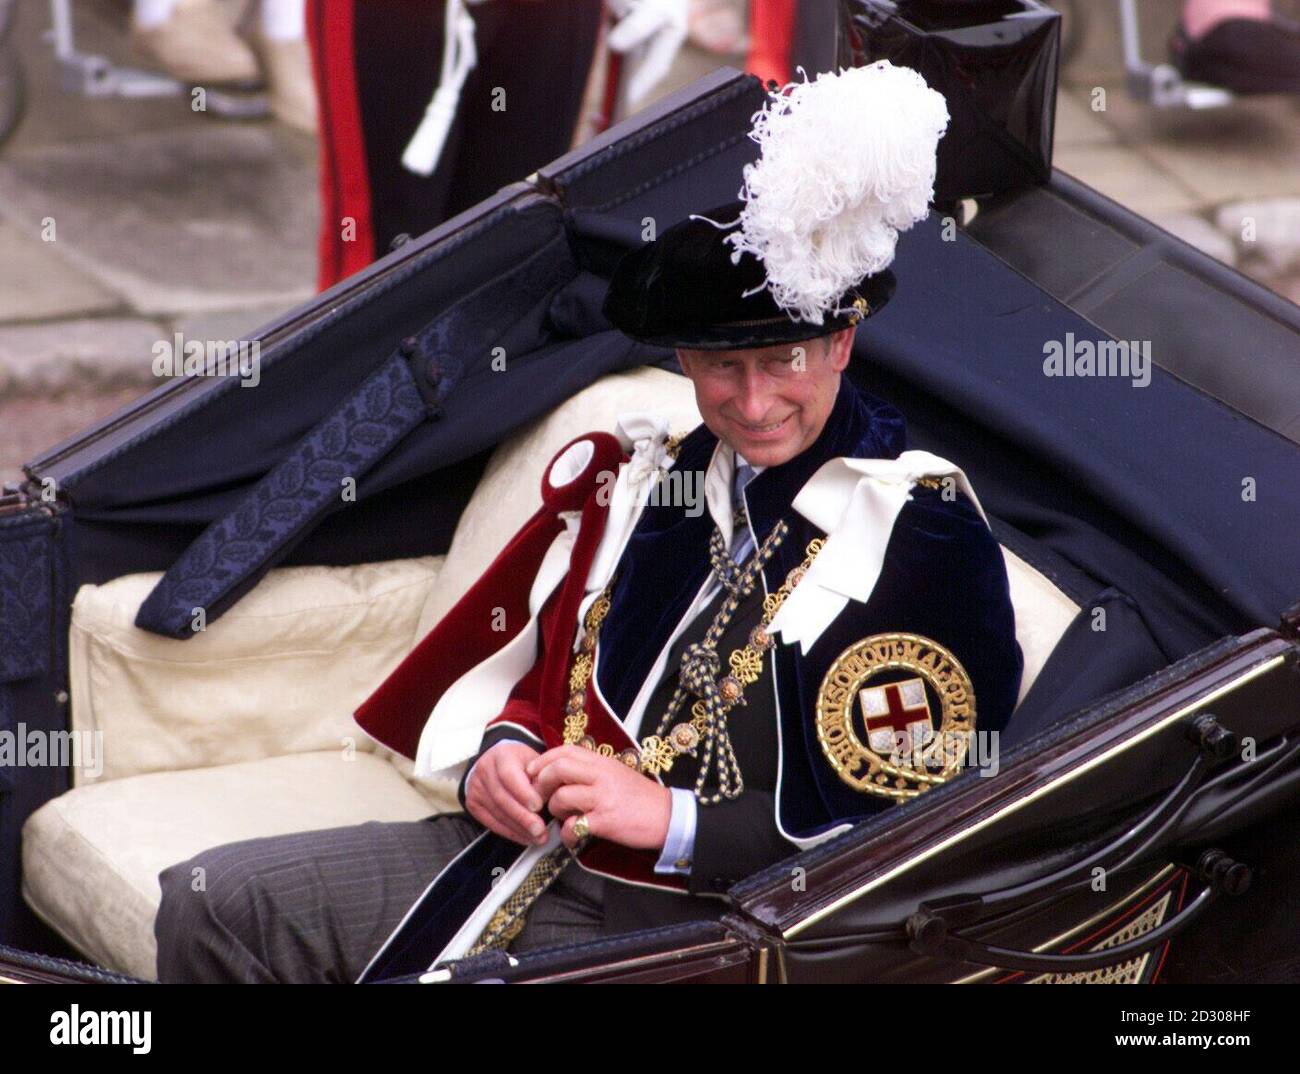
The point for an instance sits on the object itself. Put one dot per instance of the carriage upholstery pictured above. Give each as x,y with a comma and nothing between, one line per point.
245,730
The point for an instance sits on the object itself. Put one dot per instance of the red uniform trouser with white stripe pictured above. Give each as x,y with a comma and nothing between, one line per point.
377,63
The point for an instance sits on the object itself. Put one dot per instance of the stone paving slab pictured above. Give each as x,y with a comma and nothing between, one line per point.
36,282
31,424
50,358
198,219
1076,123
1125,175
227,324
1249,149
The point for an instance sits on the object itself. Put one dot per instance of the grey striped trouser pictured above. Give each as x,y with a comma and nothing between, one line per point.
316,906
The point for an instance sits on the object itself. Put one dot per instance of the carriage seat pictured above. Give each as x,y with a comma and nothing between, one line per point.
245,730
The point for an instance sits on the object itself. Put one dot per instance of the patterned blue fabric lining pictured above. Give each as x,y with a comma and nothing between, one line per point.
24,600
228,557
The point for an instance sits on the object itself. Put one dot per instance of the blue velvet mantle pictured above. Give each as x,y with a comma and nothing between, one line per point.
943,578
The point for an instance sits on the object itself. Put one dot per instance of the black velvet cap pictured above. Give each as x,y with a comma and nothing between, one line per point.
682,290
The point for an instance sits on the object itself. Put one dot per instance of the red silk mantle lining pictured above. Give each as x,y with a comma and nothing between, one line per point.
395,714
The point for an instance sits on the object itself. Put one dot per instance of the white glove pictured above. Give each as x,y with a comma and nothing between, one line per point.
649,33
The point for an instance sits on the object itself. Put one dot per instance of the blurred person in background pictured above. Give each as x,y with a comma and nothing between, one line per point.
194,42
1242,45
413,133
508,95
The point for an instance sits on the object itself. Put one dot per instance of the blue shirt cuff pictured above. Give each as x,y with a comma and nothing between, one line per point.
679,846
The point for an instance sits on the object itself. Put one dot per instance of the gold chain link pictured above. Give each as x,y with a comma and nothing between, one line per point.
746,664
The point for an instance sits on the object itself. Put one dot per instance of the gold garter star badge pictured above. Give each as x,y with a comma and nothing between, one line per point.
875,715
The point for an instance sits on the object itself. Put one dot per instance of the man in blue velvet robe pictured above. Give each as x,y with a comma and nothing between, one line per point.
888,665
702,693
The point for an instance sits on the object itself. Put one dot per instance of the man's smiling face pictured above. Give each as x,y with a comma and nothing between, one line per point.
769,404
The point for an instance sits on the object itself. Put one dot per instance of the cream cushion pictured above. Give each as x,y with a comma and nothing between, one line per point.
1042,614
281,672
91,857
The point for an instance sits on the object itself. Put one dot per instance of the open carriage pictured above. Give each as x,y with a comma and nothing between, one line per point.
1142,820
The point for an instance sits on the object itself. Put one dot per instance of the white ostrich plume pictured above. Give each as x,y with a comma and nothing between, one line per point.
847,162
